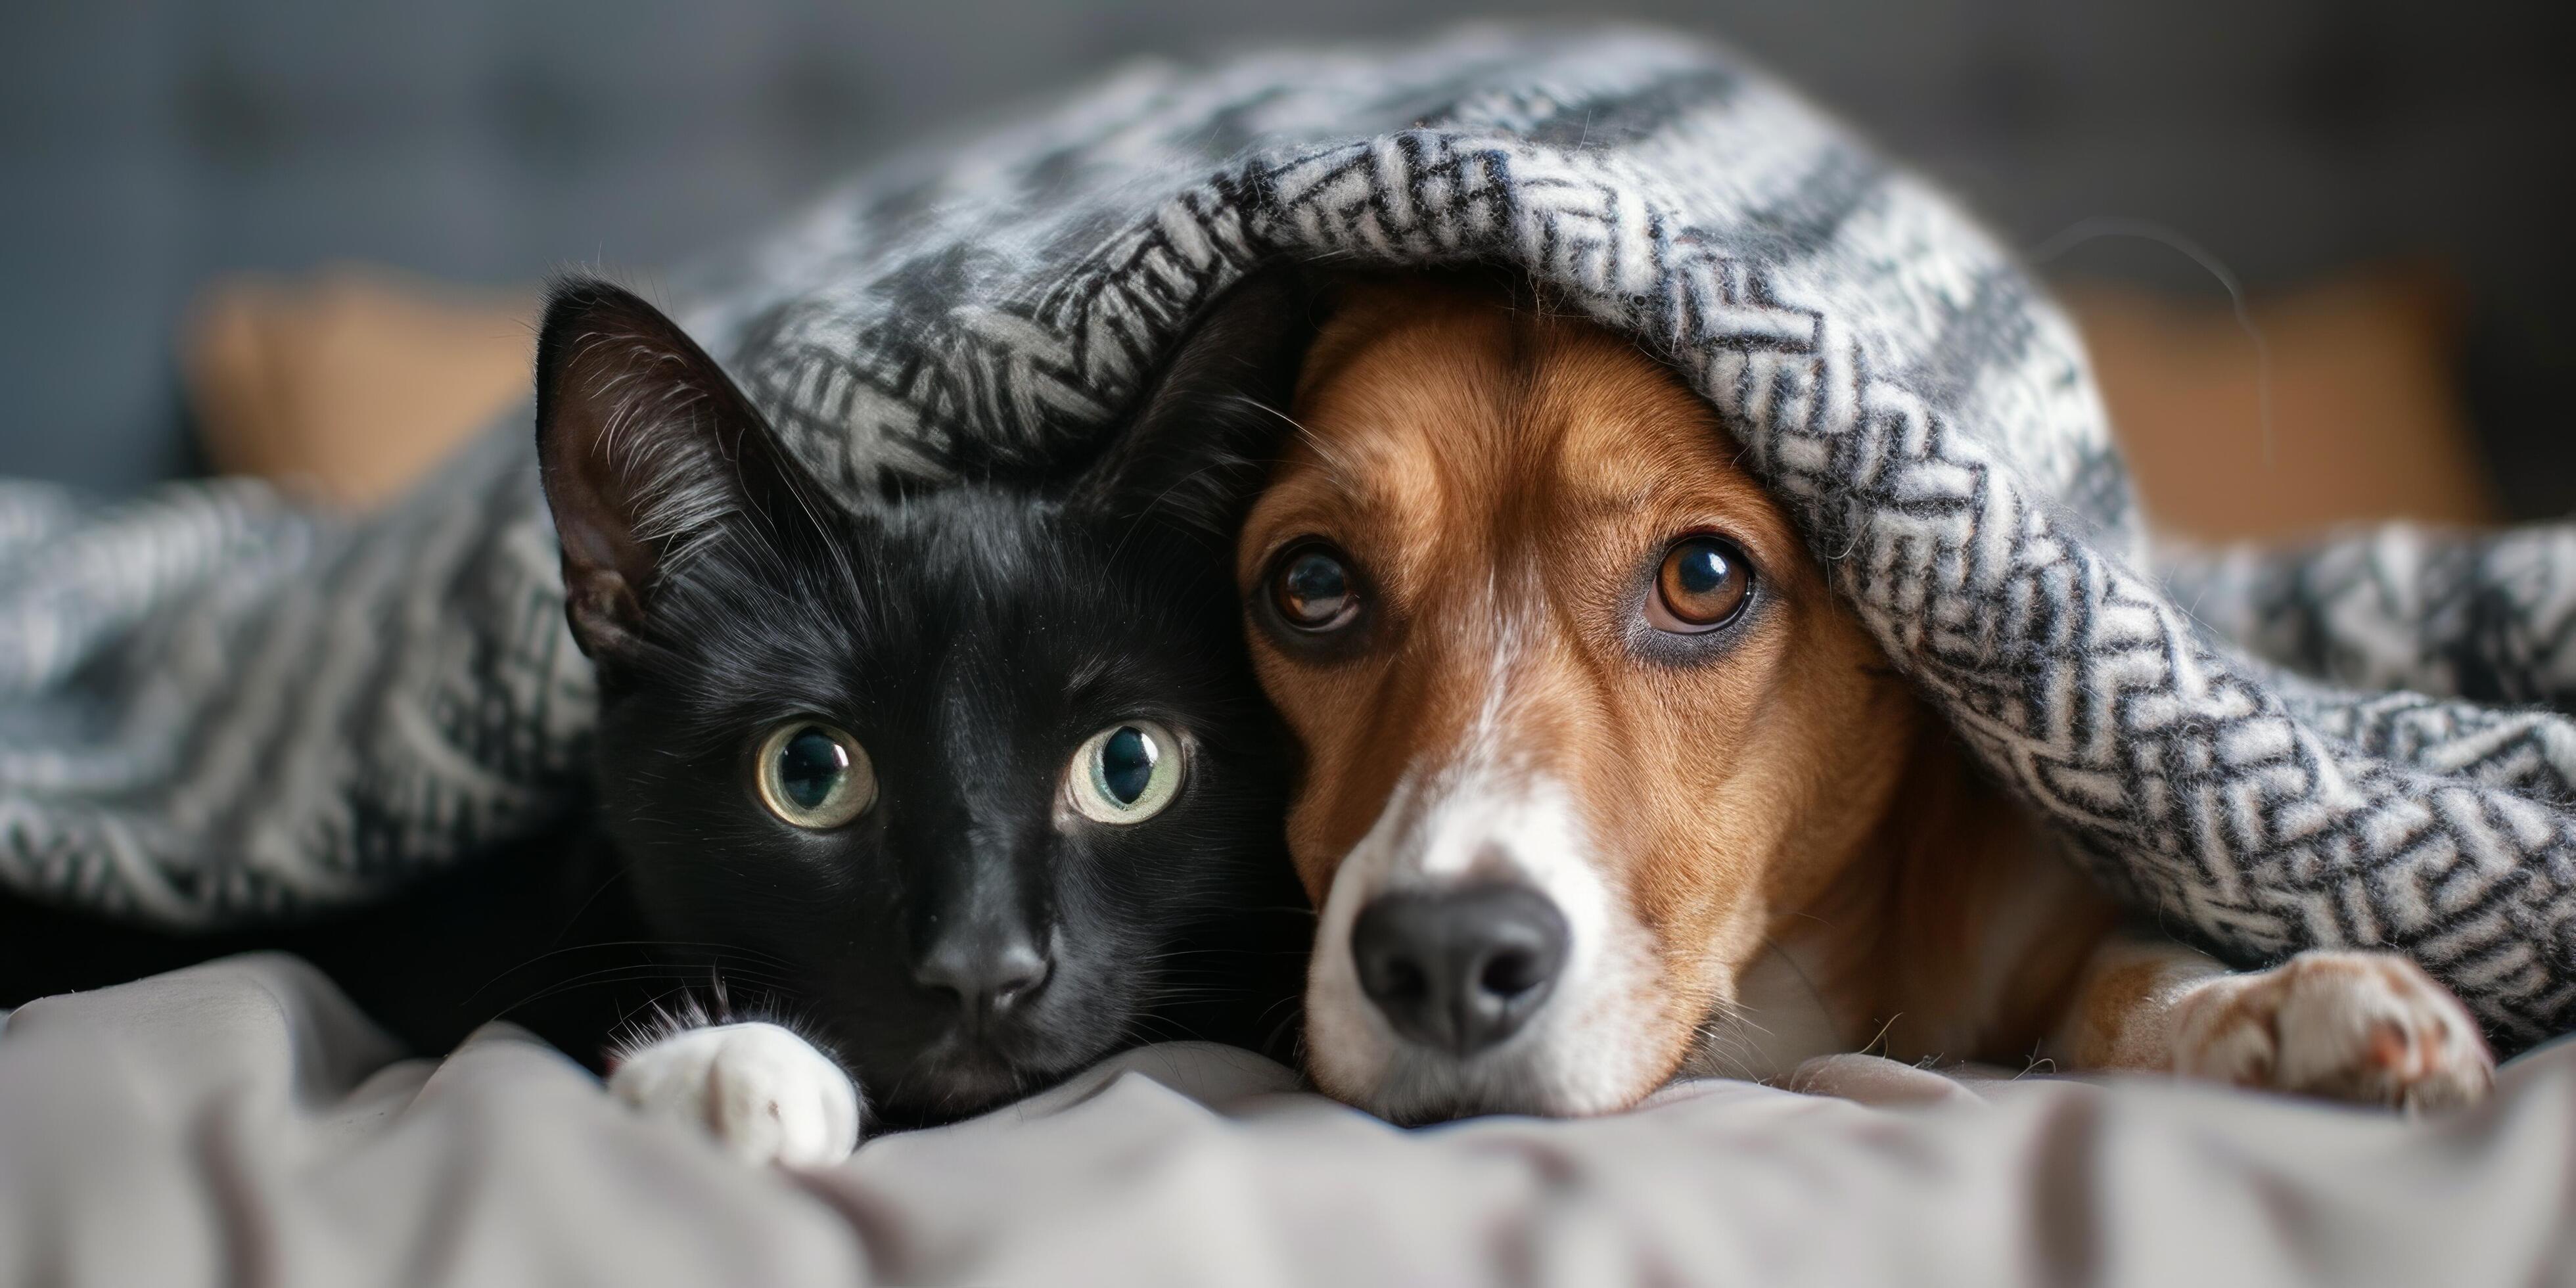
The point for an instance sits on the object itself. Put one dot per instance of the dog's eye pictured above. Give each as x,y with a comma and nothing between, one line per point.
1313,590
1704,584
815,776
1125,773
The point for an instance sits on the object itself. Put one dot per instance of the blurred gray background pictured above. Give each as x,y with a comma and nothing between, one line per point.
146,145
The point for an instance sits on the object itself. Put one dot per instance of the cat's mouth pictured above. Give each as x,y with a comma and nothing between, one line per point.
956,1078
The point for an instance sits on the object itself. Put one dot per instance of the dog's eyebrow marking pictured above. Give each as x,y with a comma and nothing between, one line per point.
1335,467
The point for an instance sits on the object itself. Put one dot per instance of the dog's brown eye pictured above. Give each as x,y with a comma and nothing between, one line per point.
1704,584
1313,590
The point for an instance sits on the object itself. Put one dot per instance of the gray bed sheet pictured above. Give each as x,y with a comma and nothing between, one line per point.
241,1123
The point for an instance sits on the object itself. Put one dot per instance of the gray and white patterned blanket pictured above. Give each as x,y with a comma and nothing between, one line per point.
215,709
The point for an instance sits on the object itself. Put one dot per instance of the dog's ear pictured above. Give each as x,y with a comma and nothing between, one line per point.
648,452
1200,444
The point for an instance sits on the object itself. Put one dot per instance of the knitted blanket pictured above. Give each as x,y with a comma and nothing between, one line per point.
217,709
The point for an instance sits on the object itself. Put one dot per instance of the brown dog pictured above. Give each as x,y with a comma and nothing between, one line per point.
1603,784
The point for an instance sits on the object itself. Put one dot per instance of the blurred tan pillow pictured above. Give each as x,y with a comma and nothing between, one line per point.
2367,421
348,384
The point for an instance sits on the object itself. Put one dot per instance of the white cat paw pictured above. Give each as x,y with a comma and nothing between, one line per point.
2369,1028
765,1094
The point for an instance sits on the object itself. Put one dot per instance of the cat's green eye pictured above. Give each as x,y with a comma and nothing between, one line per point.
1125,773
814,776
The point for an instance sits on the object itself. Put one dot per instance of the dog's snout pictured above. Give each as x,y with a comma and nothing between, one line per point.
1461,969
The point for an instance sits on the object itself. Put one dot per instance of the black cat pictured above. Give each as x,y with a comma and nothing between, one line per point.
969,786
973,783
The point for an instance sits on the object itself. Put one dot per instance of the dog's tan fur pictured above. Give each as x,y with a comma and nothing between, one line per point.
1505,480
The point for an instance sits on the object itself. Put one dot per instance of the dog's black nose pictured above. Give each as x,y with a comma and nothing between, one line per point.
988,977
1459,969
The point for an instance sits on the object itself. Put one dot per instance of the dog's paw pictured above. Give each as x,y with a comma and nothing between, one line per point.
765,1094
2369,1028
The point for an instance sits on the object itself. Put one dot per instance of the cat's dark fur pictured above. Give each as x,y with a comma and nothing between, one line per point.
971,636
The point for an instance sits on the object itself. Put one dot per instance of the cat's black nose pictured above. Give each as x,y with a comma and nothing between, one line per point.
1460,969
988,975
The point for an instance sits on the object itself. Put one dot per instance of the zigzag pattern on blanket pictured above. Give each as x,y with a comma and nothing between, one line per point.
2487,616
314,717
1925,412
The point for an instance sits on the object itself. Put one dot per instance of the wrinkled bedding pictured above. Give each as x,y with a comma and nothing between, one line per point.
240,1122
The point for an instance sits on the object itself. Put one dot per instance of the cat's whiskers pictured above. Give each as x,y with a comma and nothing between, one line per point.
623,974
722,951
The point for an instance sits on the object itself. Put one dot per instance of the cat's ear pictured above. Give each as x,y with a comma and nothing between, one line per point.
647,451
1198,449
